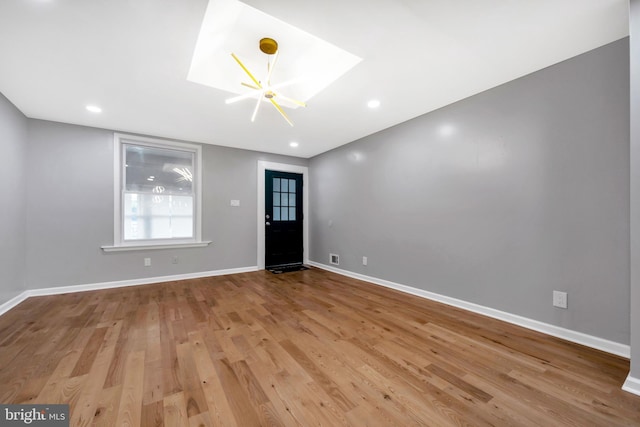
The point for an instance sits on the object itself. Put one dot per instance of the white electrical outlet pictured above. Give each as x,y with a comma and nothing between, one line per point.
559,299
364,260
147,262
235,203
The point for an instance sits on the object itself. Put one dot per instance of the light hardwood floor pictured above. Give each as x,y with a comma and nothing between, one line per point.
304,348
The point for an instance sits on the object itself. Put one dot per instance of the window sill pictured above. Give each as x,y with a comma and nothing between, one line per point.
152,247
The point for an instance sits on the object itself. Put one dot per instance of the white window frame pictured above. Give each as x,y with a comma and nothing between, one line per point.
119,244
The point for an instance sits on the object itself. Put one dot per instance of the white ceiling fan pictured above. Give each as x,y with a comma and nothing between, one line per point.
265,90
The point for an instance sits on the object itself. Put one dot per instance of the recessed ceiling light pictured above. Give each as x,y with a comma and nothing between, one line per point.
374,103
293,144
94,109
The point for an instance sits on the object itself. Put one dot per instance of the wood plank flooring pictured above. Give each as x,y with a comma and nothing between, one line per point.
297,349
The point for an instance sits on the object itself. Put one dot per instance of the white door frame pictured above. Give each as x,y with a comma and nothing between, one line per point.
282,167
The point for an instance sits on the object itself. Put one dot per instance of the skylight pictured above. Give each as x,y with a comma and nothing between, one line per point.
232,26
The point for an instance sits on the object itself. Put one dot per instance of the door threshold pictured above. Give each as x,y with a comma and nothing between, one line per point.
279,269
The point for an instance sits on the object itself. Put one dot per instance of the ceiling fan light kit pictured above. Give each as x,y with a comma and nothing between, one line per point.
265,91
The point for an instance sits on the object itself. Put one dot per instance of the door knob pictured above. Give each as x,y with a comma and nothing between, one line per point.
267,223
268,217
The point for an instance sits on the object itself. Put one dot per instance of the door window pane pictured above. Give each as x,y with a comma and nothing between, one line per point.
284,199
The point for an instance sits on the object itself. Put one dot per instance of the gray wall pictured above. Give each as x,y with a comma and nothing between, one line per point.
635,188
70,211
498,199
13,142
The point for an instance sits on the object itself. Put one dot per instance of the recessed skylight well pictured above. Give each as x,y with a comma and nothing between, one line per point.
94,109
230,26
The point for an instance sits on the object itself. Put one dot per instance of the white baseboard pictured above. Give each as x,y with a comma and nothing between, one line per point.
118,284
13,302
632,385
556,331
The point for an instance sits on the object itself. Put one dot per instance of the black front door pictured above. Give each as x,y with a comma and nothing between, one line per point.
283,219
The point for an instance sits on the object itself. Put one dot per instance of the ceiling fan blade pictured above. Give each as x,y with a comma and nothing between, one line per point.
295,101
255,111
250,85
271,66
246,70
241,97
275,104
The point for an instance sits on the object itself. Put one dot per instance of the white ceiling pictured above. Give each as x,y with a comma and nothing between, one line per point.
132,58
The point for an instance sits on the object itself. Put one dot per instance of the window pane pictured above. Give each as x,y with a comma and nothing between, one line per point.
155,216
292,214
292,185
276,199
158,170
284,199
285,214
276,184
182,227
276,214
159,227
284,185
292,199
